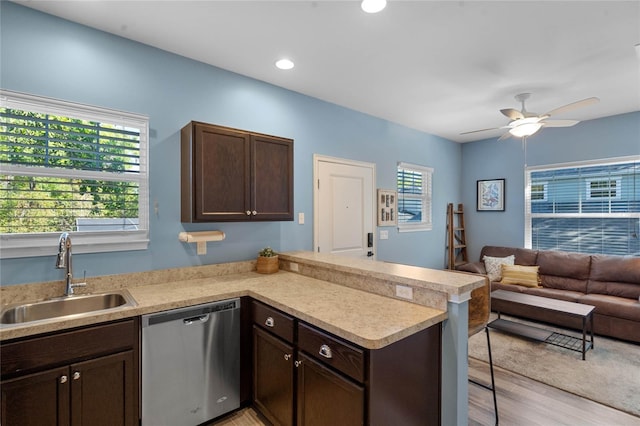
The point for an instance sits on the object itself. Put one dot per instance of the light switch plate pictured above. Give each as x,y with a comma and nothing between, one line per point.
384,235
301,218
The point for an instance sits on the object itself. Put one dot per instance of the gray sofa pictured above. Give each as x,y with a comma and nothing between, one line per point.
610,283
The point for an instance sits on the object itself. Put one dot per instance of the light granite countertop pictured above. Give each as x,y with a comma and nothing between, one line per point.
355,299
366,319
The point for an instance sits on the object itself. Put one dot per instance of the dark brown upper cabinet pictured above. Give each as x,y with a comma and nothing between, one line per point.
231,175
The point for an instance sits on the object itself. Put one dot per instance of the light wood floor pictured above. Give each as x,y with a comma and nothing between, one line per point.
521,402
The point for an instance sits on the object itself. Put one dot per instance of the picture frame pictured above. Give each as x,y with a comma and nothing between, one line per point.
490,195
387,207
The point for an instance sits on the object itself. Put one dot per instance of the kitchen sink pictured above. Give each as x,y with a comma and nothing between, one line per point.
68,306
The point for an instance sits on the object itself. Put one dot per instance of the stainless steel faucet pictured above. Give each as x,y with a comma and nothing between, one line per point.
64,262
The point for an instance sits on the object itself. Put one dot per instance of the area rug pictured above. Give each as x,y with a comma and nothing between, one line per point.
610,374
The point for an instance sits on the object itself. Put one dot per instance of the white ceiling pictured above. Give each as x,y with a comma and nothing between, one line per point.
443,67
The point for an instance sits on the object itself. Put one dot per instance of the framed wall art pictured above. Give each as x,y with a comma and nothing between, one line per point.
491,195
387,207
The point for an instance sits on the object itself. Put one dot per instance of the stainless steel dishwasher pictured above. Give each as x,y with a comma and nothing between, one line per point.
190,364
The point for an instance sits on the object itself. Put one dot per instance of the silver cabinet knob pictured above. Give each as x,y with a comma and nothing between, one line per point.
269,322
248,212
63,379
325,351
297,363
254,212
76,375
287,357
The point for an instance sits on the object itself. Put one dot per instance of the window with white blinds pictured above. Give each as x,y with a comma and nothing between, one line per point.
67,167
591,207
414,197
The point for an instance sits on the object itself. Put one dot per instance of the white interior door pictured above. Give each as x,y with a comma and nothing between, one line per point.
344,213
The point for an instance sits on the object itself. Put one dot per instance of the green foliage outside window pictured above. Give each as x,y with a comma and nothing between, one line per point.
35,196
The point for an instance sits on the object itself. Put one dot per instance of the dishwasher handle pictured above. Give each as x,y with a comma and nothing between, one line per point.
199,318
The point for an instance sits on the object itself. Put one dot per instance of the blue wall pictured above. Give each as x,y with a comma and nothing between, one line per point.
47,56
608,137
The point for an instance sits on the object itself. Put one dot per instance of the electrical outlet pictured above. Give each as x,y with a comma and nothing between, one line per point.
301,218
384,235
404,292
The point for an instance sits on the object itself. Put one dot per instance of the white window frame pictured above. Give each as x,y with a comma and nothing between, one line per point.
528,243
44,244
426,223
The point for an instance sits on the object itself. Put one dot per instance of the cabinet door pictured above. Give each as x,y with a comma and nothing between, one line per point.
326,397
272,178
273,377
36,399
102,391
221,181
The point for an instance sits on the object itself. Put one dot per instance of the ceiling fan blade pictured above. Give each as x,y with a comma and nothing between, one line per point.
574,105
513,114
507,135
560,123
481,130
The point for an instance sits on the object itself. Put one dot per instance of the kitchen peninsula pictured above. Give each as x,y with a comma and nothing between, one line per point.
350,298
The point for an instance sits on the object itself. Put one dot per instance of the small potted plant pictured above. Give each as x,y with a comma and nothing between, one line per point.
267,262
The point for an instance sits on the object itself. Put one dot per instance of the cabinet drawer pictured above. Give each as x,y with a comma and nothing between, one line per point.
39,352
271,319
332,351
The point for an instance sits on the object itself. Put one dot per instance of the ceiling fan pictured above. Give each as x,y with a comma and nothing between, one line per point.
524,123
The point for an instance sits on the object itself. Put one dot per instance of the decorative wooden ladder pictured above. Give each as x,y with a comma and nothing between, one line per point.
456,239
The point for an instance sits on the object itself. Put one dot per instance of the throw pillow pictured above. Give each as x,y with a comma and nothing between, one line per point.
493,265
522,275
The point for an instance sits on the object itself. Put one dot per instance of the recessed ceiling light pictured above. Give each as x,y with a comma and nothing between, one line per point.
285,64
373,6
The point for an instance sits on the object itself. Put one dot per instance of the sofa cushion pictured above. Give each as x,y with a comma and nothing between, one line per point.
522,256
493,265
619,307
473,267
615,276
564,270
521,275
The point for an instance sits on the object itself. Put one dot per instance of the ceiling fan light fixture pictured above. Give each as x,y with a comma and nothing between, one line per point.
373,6
525,129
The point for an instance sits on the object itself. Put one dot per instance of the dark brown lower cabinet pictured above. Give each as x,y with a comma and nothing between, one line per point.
81,377
307,377
325,397
36,399
273,386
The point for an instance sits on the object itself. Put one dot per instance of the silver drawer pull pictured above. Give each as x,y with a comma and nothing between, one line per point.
325,351
76,375
297,363
287,357
269,322
248,212
63,379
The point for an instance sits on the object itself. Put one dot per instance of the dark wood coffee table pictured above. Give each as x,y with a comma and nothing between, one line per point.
572,309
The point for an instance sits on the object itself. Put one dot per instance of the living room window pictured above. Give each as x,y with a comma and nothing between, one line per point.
587,207
414,197
68,167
